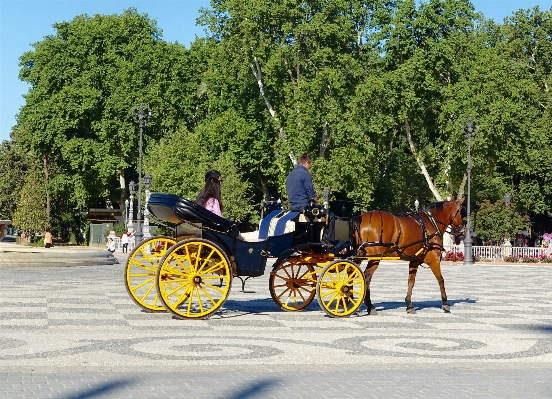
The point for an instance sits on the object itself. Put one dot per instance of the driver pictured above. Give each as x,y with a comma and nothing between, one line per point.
300,191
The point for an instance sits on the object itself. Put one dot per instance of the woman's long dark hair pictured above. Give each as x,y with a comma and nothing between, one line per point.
211,190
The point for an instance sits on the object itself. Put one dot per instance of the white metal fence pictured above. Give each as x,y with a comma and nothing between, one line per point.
501,252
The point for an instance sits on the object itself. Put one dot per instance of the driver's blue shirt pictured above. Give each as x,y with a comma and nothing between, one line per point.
299,188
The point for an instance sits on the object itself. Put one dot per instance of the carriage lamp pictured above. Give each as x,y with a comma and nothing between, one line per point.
141,114
470,127
416,204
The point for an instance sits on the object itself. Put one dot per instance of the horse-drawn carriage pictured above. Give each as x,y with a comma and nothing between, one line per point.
191,273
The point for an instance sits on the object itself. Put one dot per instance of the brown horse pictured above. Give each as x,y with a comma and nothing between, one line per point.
416,237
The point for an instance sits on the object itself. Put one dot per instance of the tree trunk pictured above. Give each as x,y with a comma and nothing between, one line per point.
122,183
420,162
257,72
46,177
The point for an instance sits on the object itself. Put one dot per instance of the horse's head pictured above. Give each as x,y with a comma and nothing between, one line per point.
457,217
450,213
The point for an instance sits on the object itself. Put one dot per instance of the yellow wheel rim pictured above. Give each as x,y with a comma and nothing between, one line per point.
341,288
141,269
194,278
293,284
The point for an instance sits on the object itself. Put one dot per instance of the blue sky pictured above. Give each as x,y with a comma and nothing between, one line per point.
23,22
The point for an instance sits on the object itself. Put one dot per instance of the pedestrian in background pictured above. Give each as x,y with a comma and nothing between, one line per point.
47,239
124,242
110,245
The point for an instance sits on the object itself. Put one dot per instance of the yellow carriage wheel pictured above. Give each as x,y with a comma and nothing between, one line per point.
194,278
292,284
341,288
141,269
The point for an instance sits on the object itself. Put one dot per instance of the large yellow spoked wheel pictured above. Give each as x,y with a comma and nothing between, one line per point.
140,272
340,289
292,283
194,278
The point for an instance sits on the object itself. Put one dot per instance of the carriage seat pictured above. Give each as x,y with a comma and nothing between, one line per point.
175,209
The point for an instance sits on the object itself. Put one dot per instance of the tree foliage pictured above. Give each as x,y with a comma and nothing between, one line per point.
378,92
498,221
178,164
84,80
30,216
12,177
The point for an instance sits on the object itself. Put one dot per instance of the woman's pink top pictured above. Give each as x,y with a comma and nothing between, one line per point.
213,205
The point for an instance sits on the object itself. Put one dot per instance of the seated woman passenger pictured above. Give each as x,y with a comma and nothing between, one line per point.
210,197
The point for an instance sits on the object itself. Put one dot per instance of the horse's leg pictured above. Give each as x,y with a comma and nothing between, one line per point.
412,270
368,273
434,263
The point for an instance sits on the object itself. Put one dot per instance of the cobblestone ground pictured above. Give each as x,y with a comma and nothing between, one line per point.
73,332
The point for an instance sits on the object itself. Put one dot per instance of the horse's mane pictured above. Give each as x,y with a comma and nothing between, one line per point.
436,205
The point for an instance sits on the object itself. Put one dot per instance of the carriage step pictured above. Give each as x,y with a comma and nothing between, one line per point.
338,247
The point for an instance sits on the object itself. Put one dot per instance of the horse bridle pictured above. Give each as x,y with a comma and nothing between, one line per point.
454,230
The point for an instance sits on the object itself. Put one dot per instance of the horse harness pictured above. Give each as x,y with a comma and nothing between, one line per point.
427,245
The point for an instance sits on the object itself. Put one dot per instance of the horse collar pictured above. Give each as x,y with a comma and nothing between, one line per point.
434,223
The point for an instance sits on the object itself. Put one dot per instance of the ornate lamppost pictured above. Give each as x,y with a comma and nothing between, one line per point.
126,212
470,126
147,182
131,188
141,115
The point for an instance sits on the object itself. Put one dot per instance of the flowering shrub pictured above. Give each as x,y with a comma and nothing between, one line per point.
511,258
452,256
545,259
529,259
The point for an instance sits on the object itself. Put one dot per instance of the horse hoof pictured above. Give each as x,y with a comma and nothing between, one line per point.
373,312
446,308
410,310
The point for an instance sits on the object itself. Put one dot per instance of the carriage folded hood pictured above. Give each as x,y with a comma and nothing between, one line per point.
175,209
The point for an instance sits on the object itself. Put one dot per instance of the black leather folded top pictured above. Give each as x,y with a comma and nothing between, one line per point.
175,209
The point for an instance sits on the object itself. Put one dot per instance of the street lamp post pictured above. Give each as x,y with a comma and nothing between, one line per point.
126,212
131,187
141,115
470,126
147,182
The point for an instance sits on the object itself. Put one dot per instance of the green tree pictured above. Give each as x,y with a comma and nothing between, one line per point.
498,221
178,164
297,64
30,215
12,177
84,80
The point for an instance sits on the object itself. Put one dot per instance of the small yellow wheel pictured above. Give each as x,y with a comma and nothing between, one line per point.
341,288
194,278
292,283
140,272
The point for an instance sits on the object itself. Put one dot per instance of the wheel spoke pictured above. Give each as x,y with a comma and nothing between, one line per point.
208,296
147,292
214,287
142,284
284,291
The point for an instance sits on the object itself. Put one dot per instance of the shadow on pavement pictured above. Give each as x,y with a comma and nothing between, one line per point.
100,390
258,389
421,305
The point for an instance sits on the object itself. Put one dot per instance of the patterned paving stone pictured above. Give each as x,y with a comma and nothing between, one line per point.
75,333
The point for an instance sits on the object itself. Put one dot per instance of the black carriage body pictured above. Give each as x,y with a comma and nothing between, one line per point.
249,256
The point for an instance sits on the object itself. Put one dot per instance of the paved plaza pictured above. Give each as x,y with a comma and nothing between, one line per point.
73,332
